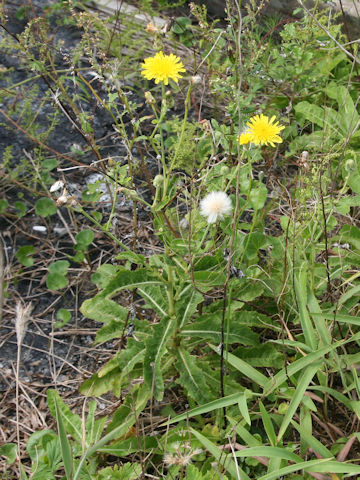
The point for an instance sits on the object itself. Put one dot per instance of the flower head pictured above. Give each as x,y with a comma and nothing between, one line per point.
215,206
261,131
162,67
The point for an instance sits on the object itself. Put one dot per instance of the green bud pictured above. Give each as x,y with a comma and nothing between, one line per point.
283,408
224,170
158,181
350,165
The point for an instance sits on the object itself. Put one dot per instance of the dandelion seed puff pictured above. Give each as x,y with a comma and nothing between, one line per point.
216,205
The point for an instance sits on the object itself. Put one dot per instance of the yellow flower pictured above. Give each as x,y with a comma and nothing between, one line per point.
162,67
261,131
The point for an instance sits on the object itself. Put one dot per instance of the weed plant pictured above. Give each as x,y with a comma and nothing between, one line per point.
241,145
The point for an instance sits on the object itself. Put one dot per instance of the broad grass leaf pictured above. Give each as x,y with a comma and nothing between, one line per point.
208,407
72,422
311,441
301,388
244,368
308,329
270,452
61,415
123,448
225,460
268,425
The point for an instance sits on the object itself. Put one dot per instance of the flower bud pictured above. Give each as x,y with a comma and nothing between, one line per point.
158,181
196,80
224,170
350,165
151,28
149,98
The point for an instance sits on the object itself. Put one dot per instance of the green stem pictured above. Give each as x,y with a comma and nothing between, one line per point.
187,105
102,228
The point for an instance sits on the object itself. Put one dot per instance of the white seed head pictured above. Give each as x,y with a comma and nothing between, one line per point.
215,206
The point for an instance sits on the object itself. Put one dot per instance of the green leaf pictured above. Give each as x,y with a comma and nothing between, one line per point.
21,207
94,428
128,471
244,368
72,423
209,327
243,406
60,267
181,24
155,350
23,255
104,310
84,239
45,207
187,303
209,407
301,388
268,425
264,355
258,195
96,386
224,460
269,452
64,441
56,281
9,451
49,164
191,377
63,316
311,441
103,275
301,281
3,205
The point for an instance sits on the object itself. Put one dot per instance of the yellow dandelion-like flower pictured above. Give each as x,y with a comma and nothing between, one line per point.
262,131
162,67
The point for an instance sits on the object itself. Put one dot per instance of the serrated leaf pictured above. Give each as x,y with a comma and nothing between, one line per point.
103,275
155,350
209,327
264,355
103,310
187,304
127,471
191,377
96,386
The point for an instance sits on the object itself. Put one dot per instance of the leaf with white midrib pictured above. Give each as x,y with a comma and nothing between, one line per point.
155,350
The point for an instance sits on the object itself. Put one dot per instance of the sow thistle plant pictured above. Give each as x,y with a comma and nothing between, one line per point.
225,315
